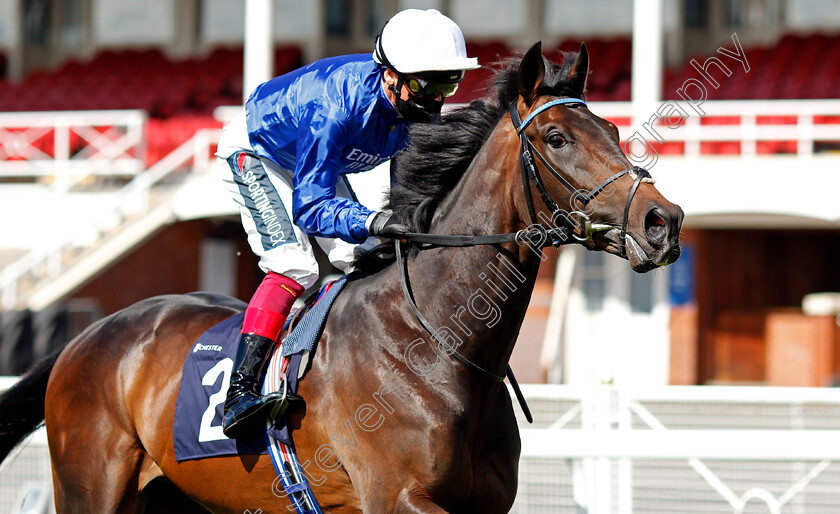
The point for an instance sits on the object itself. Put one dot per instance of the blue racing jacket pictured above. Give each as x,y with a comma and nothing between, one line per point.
322,121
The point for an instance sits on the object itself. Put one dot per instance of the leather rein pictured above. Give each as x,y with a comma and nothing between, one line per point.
555,236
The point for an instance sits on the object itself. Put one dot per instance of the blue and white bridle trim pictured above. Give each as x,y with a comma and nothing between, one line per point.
548,105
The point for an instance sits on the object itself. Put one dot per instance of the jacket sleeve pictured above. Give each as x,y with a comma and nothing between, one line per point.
322,137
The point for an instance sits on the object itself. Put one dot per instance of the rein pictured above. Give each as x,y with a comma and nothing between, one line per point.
555,237
406,287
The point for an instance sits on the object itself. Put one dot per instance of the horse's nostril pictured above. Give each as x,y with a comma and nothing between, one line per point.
655,226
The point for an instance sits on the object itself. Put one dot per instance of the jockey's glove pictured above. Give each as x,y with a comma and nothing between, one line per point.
383,225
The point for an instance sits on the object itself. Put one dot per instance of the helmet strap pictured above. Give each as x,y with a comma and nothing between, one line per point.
414,109
396,88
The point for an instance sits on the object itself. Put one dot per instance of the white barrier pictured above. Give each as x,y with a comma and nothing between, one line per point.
669,450
680,449
119,149
133,200
72,145
753,121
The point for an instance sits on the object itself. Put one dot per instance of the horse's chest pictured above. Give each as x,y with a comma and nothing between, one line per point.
475,470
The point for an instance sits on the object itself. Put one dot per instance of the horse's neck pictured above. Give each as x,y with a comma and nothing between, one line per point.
481,293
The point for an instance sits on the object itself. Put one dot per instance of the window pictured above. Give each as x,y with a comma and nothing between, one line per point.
641,293
133,22
377,15
696,14
72,30
602,17
733,13
37,22
594,283
490,18
338,17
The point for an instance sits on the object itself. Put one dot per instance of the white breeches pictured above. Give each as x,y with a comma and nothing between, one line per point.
263,192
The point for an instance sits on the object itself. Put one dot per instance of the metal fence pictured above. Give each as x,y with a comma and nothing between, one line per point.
71,145
691,449
604,450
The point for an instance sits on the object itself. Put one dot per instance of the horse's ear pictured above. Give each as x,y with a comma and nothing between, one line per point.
531,73
580,70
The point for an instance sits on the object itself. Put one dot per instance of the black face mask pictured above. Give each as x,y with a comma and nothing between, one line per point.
416,109
419,110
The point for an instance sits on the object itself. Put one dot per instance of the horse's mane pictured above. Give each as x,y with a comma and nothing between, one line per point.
438,154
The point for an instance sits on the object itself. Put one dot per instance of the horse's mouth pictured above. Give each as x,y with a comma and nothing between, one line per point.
642,257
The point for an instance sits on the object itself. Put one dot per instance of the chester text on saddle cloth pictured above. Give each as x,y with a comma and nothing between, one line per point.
197,428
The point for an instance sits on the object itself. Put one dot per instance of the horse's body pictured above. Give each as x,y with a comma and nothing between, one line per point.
390,424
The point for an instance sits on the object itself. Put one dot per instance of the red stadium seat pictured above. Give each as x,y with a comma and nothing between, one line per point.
621,90
775,147
776,120
475,82
720,148
180,95
669,148
143,79
720,120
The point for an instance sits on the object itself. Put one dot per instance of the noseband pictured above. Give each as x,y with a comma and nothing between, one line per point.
530,173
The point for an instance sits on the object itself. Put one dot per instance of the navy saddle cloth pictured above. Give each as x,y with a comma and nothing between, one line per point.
197,428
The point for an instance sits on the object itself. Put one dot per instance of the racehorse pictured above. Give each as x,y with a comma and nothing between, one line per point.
397,419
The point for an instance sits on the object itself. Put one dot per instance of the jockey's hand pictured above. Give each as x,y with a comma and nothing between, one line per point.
383,225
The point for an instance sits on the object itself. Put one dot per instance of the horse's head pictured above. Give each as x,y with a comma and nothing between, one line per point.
579,168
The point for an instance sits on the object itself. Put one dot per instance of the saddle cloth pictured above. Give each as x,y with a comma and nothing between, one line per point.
197,427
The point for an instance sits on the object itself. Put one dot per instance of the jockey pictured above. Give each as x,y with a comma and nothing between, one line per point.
284,160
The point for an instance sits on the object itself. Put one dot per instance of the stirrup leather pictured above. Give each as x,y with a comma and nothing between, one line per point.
248,411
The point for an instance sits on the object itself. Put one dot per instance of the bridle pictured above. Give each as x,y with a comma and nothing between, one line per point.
552,236
530,173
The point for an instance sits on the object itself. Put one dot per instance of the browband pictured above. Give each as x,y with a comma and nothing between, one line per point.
547,105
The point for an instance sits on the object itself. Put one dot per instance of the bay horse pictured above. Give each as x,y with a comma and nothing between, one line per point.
393,423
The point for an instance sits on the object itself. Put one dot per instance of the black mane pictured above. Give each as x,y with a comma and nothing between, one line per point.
438,154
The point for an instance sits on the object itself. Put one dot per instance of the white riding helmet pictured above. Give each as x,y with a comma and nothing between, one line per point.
415,41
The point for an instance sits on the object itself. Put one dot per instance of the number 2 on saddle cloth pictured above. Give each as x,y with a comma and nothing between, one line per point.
197,429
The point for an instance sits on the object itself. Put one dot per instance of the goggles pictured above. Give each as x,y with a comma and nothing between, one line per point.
430,85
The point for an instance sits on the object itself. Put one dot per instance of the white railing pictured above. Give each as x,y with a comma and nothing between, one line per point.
72,145
120,148
680,449
193,156
753,122
672,449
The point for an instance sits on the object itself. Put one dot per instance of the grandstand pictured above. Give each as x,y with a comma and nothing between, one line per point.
783,105
176,94
179,95
107,194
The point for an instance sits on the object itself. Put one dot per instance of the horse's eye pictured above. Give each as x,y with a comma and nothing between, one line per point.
556,140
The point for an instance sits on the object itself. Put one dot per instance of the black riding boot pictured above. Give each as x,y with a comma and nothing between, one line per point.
245,409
